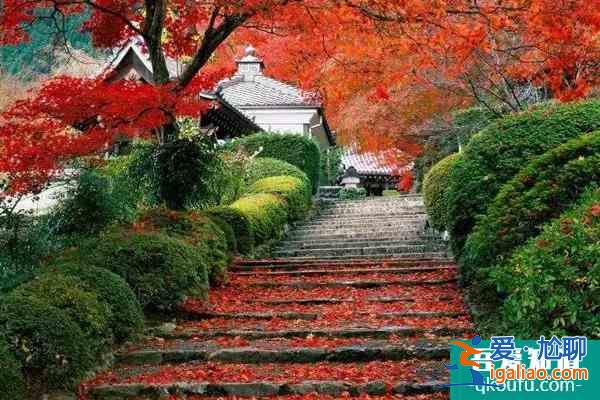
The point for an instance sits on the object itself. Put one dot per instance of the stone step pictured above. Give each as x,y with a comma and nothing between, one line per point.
381,257
320,301
354,271
284,262
357,235
354,284
320,244
185,353
347,212
376,248
131,391
366,218
374,224
399,231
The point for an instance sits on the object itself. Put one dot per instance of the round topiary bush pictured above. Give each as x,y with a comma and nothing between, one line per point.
195,228
53,349
294,191
126,317
239,223
12,382
160,269
551,283
266,213
541,191
499,151
228,232
435,187
297,150
264,167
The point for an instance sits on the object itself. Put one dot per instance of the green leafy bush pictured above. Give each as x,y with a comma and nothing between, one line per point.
331,162
297,150
126,316
352,194
161,270
198,230
295,192
239,223
84,308
53,349
552,284
131,189
228,232
259,168
12,382
498,152
541,191
434,191
266,213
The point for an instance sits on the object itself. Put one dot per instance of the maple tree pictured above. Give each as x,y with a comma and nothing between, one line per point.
383,68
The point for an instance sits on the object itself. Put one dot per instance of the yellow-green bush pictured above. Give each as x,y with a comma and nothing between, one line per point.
295,192
266,213
435,187
12,382
238,223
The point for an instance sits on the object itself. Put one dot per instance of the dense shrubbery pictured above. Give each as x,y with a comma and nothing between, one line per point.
551,283
352,193
294,149
199,230
126,317
260,168
434,191
266,213
240,225
331,162
497,153
540,192
12,382
161,270
295,192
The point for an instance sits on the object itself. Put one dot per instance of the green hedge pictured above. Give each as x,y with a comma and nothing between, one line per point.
552,284
53,349
126,318
207,238
239,224
541,191
266,213
435,188
160,269
295,192
12,382
497,153
262,167
295,149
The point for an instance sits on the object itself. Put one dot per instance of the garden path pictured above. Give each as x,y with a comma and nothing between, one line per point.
363,304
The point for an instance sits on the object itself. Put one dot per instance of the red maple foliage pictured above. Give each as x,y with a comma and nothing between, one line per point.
382,67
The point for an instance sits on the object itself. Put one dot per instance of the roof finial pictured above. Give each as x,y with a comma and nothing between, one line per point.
250,51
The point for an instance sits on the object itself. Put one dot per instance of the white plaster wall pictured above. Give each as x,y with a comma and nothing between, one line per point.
282,120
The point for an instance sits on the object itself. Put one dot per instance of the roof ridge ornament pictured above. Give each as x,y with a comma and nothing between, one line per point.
250,65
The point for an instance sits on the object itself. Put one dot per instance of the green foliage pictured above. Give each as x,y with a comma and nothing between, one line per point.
129,188
126,316
240,225
552,284
161,270
84,308
465,123
259,168
228,232
331,161
434,191
497,153
266,213
295,192
352,194
12,382
52,348
540,192
200,231
294,149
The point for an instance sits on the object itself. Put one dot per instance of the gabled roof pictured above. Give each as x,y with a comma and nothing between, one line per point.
371,164
262,91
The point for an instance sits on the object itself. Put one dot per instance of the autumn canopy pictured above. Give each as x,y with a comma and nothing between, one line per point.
383,68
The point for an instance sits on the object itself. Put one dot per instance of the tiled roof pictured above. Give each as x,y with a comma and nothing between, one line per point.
137,47
262,91
370,164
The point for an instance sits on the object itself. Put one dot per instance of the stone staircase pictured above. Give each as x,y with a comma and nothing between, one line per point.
324,323
383,227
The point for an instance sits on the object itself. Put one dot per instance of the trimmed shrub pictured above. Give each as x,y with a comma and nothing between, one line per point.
497,153
331,164
84,308
541,191
352,193
435,188
551,283
198,230
53,349
12,383
266,213
297,150
295,192
239,223
161,270
260,168
229,234
126,318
